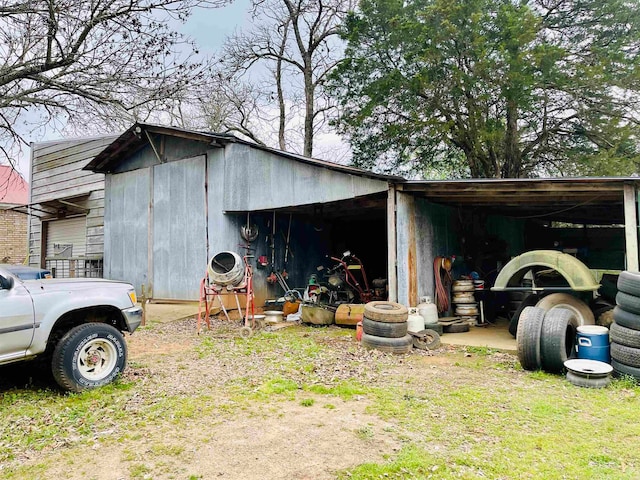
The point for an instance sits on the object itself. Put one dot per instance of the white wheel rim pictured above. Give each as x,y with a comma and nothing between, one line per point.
97,359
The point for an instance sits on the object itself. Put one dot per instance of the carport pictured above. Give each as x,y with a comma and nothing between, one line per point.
486,222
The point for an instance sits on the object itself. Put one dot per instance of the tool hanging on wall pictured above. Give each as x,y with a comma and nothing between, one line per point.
273,242
286,248
271,239
249,232
284,274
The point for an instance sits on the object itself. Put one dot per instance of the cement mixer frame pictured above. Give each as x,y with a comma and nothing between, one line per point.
210,291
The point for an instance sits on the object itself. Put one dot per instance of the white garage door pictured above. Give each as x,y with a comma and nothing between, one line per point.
67,238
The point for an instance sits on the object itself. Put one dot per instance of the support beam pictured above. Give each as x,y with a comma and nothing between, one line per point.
392,244
631,227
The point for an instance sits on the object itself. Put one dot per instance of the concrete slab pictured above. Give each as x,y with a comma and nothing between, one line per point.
492,336
168,312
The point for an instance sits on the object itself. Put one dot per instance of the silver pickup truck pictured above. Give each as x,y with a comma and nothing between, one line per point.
75,324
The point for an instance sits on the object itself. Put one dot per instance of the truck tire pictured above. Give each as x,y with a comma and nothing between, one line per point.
627,355
384,329
389,312
389,345
528,337
557,339
629,282
588,382
564,300
621,369
629,303
88,356
624,336
528,301
426,340
626,319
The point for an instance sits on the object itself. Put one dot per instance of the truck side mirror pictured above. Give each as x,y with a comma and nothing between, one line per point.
6,283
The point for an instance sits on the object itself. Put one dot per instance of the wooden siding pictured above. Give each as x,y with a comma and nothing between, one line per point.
56,174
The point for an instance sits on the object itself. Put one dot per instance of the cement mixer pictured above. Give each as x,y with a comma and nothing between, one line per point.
233,272
226,269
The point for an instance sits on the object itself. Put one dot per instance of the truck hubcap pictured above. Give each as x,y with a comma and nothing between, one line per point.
97,359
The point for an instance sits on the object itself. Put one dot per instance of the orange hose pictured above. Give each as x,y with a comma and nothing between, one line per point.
440,265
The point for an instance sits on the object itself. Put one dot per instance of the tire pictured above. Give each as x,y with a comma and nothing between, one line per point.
88,356
456,328
629,282
557,339
389,345
528,337
622,369
383,329
564,300
388,312
428,340
528,301
629,303
628,355
589,382
624,336
626,319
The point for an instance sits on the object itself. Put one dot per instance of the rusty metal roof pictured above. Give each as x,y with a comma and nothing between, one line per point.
135,138
592,200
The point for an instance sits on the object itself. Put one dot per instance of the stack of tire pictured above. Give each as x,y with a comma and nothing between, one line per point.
384,326
546,339
464,300
625,330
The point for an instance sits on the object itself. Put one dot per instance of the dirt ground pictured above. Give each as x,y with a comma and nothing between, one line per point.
279,439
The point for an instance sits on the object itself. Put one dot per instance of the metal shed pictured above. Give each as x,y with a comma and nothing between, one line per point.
174,198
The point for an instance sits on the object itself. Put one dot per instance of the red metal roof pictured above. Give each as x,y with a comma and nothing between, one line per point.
13,188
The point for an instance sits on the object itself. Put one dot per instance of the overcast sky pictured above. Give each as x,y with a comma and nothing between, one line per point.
207,27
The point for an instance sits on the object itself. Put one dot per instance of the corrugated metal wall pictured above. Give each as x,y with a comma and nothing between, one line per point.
127,227
237,177
179,229
424,231
259,180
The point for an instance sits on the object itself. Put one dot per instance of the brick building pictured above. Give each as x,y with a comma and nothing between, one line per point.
14,191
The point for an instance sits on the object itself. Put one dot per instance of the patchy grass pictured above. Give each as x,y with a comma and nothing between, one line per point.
460,413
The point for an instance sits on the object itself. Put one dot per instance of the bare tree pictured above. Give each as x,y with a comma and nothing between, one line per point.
66,61
286,57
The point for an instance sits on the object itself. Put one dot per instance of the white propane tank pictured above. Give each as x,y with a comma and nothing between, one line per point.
415,322
428,310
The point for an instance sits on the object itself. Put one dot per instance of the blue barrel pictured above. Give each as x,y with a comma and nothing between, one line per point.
593,343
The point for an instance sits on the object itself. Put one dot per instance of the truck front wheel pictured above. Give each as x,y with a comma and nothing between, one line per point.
88,356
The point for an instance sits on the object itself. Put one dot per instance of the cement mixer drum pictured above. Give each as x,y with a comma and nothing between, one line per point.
226,268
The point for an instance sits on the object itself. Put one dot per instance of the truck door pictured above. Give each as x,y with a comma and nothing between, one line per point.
17,321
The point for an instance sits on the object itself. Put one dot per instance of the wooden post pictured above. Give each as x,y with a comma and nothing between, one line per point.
143,302
392,250
631,227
